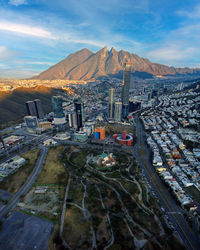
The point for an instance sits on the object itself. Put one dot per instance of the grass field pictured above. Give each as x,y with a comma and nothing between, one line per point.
78,158
53,171
13,182
76,229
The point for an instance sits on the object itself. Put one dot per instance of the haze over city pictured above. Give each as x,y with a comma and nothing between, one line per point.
38,34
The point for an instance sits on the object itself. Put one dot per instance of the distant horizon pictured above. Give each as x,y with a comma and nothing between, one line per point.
37,34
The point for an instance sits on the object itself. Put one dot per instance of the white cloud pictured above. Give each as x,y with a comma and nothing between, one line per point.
5,53
171,54
26,30
40,63
195,13
17,2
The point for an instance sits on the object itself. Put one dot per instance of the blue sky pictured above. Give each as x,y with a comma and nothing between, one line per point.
35,34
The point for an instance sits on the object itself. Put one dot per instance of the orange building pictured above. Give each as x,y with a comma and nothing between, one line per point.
101,131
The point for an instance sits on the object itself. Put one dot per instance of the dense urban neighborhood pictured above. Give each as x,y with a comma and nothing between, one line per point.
107,156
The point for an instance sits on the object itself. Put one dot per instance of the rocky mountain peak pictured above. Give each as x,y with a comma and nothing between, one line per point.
86,65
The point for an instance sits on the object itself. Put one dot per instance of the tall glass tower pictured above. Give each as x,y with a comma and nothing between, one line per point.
111,103
125,89
118,111
78,106
57,106
31,110
38,106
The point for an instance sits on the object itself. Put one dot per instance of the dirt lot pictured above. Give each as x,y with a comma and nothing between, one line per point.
53,171
47,204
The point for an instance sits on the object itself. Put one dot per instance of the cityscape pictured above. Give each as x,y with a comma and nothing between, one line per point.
99,146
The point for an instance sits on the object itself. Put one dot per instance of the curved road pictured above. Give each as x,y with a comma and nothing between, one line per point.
25,188
190,240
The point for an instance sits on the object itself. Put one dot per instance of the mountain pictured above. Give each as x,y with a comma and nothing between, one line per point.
12,103
86,65
64,67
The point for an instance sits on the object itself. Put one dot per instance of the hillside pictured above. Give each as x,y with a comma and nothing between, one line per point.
86,65
12,104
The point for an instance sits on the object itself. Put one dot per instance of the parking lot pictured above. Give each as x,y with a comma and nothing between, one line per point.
21,231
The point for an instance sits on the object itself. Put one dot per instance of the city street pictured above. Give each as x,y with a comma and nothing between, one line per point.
190,240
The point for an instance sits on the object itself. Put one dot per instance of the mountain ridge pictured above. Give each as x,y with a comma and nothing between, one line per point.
86,65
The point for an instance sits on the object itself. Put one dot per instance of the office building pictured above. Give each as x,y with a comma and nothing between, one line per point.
111,103
118,111
72,118
100,133
80,136
38,107
88,129
125,89
31,122
31,110
59,117
34,108
180,86
78,107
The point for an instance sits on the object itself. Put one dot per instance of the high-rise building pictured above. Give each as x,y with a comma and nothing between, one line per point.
78,107
38,107
72,117
125,89
118,111
111,103
31,110
34,108
59,117
57,106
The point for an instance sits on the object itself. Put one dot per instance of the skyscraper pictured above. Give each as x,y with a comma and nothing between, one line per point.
78,107
31,110
118,111
34,108
38,107
125,89
59,117
111,103
57,106
72,117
